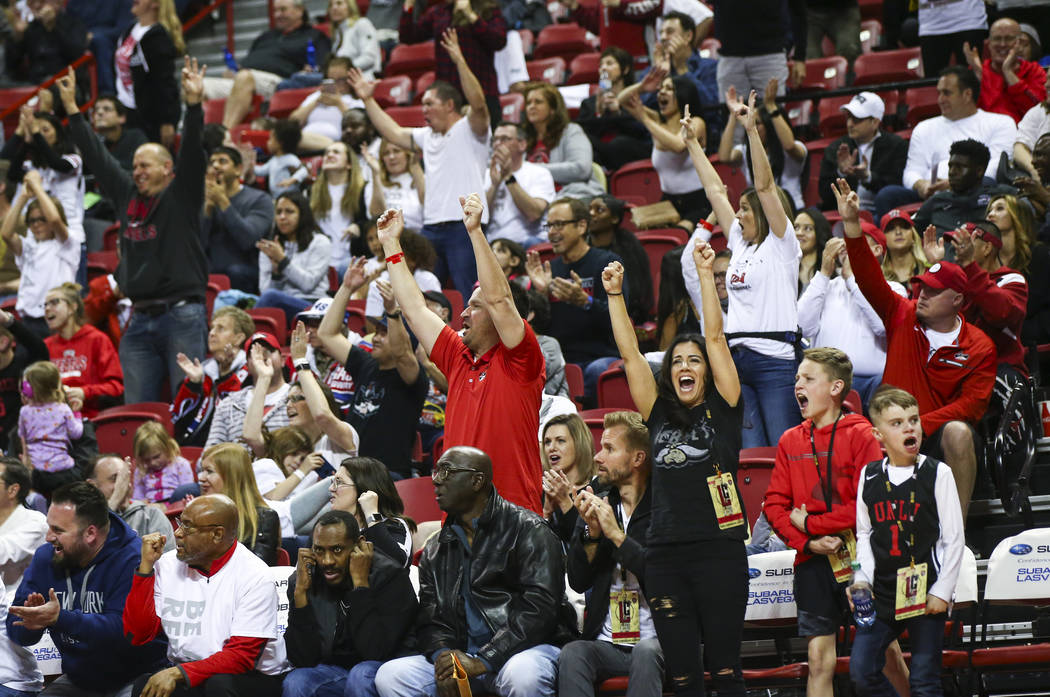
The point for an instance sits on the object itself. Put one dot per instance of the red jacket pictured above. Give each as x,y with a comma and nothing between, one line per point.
88,361
996,303
100,307
1016,99
955,383
795,480
622,26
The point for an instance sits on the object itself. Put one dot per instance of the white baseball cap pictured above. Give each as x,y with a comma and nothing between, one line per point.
865,105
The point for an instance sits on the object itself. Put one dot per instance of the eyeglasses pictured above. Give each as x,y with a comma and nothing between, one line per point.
189,528
443,471
339,484
296,398
36,219
558,224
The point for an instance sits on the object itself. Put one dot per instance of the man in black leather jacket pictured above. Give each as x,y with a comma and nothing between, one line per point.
502,626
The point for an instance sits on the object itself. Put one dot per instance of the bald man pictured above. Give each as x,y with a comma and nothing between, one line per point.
217,606
163,267
503,625
1009,84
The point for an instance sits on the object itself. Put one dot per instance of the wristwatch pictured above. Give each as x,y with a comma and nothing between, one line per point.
511,180
375,518
585,536
396,314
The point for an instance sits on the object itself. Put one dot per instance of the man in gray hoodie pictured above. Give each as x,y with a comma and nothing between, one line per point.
112,476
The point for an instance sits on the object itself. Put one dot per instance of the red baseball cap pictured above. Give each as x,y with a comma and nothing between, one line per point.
267,338
895,214
873,232
943,274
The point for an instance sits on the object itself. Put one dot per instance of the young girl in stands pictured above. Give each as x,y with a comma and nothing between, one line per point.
696,565
47,426
47,257
762,281
567,453
511,258
159,465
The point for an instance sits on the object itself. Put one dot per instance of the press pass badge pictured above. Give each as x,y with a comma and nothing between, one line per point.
626,623
911,592
841,561
723,495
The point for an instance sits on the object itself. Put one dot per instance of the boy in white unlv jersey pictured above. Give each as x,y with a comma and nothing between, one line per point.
215,602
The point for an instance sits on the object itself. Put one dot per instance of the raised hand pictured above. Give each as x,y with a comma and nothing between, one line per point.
360,563
847,200
152,550
193,369
450,42
747,113
192,81
370,159
261,362
387,292
390,226
612,278
67,91
688,131
704,257
769,97
932,245
362,87
355,276
654,78
963,243
733,102
472,209
34,182
832,248
539,271
634,107
973,59
299,342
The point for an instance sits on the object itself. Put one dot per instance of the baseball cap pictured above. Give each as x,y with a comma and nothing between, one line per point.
315,311
872,231
267,338
441,299
943,274
895,214
865,105
987,231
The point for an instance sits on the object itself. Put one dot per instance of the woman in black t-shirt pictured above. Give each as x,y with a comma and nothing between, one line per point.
696,574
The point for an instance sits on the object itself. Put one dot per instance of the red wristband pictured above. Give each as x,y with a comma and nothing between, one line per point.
706,225
395,258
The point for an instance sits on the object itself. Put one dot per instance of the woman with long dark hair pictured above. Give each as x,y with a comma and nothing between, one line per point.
606,214
293,264
696,565
362,486
813,232
616,137
558,144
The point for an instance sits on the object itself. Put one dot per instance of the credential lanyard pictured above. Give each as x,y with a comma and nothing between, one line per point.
825,484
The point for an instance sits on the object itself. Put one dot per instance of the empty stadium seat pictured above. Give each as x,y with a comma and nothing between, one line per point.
423,83
550,70
799,113
656,246
753,472
832,120
825,73
922,104
417,493
115,427
101,263
410,59
584,69
870,35
407,116
613,391
638,178
564,40
574,382
710,47
285,102
512,106
272,320
393,91
888,66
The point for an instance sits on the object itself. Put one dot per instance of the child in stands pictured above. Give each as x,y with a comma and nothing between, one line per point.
284,170
46,426
910,548
159,465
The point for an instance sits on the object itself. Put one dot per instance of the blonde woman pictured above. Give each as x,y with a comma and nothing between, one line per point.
354,36
145,69
567,453
226,469
904,256
401,183
336,202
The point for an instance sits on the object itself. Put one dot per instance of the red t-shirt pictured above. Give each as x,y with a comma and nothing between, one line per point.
494,405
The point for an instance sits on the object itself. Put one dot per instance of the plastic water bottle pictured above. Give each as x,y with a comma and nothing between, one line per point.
231,62
311,55
604,83
863,601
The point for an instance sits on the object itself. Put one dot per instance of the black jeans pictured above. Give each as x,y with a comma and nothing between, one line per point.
250,684
698,593
937,50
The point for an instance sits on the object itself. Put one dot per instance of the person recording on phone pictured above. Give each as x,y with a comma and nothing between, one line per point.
352,607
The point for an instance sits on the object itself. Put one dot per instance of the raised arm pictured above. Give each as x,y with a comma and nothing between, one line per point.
495,288
723,369
472,91
397,337
765,185
425,324
780,123
47,206
253,417
385,124
337,430
640,380
713,186
330,331
726,152
7,230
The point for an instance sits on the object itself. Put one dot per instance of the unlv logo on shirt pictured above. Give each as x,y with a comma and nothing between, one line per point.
137,232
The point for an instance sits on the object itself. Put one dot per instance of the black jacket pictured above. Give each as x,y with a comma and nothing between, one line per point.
161,250
153,80
42,53
946,210
371,624
29,348
889,154
268,535
596,575
517,584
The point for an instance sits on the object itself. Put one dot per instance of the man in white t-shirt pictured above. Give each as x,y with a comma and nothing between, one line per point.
517,192
455,153
926,172
216,603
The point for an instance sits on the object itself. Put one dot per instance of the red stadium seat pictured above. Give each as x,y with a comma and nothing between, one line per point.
799,113
638,178
870,9
564,40
677,233
753,473
115,427
922,104
584,69
272,320
550,70
192,453
709,48
110,235
393,91
407,116
853,402
455,298
410,59
732,176
613,391
101,263
888,66
544,249
285,102
282,557
574,381
214,109
528,41
870,35
832,118
656,246
825,73
221,280
243,133
417,493
423,83
512,106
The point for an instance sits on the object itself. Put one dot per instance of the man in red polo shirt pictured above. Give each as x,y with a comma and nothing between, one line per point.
931,350
495,368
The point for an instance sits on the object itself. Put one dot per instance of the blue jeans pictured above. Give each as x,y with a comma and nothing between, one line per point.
865,385
286,302
362,680
893,196
149,347
303,78
766,418
318,681
530,673
591,372
8,692
455,255
866,661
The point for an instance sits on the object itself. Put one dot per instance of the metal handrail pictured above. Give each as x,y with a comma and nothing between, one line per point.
86,59
196,19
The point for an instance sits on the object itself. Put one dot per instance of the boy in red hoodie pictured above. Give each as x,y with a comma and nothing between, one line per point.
811,502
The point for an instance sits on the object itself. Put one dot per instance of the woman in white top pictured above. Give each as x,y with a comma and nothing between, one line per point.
678,180
293,266
321,113
786,156
353,36
762,282
401,183
336,202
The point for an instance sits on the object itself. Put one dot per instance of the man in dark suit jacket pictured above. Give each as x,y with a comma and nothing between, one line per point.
868,157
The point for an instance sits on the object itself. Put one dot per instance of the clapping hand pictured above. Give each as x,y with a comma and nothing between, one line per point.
654,78
932,245
298,344
558,489
539,271
273,249
973,59
261,362
570,290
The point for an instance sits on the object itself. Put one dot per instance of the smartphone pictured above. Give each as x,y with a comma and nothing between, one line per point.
328,86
